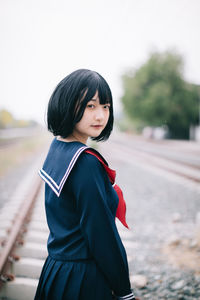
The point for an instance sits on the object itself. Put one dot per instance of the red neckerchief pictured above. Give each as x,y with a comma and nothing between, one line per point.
121,208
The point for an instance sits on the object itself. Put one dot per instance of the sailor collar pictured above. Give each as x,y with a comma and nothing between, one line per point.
59,162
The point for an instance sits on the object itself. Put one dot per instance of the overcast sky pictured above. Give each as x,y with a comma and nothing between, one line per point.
44,40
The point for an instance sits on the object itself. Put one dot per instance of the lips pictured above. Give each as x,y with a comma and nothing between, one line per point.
97,126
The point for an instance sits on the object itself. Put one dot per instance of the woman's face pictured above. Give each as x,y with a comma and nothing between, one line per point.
94,119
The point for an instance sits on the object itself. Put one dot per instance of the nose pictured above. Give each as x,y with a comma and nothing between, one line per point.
99,116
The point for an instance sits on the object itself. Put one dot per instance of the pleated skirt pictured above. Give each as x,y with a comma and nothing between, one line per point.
72,280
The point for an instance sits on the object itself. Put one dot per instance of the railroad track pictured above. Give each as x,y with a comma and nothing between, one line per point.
178,162
23,228
182,169
23,236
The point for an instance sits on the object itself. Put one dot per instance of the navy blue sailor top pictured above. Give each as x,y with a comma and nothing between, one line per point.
81,204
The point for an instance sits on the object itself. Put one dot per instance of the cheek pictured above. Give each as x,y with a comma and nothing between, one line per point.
108,115
80,125
83,123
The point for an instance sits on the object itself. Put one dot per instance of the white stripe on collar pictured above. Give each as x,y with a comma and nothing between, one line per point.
51,182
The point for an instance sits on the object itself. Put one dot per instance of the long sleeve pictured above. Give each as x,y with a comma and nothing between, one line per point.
98,226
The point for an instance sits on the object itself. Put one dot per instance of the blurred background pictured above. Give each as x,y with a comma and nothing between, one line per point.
148,51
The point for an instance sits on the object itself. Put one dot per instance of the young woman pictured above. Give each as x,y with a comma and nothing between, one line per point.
87,260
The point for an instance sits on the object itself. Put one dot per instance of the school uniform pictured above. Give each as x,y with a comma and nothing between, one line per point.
87,260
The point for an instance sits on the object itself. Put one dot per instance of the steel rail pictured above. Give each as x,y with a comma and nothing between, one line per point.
172,159
22,217
148,156
155,154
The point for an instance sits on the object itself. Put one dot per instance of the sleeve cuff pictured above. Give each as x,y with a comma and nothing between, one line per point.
127,297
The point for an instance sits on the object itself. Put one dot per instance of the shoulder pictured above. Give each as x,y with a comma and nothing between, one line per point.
88,175
88,161
87,168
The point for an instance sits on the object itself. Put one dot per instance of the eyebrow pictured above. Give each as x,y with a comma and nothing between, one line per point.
94,99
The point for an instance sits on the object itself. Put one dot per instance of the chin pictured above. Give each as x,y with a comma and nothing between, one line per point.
95,135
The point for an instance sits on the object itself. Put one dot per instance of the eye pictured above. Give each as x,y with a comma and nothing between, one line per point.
106,106
91,106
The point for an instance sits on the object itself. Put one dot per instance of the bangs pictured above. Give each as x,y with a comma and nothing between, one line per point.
104,93
96,84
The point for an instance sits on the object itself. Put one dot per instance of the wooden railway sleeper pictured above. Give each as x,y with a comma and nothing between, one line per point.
7,277
12,258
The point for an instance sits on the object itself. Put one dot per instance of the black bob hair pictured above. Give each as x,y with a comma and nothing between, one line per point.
69,99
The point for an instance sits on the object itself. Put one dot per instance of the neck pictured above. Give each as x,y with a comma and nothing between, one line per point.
73,138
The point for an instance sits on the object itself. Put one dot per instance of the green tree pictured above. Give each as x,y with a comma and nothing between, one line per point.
157,95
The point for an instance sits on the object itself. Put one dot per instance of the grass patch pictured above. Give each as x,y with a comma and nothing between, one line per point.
12,155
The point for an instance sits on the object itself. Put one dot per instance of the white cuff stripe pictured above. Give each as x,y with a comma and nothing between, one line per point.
127,297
